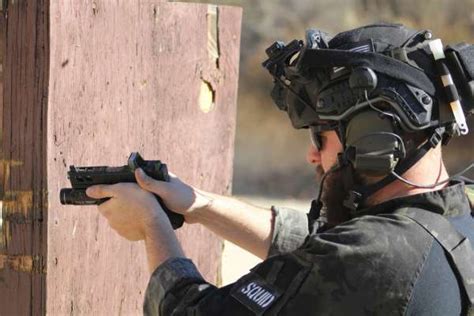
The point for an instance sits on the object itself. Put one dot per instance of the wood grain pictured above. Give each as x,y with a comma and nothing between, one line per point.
126,78
23,156
86,83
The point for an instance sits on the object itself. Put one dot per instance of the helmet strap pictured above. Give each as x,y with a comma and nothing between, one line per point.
358,195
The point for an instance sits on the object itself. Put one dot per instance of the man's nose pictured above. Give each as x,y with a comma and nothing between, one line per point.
313,156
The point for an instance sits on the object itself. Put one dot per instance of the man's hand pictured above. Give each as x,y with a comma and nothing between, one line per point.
177,195
131,211
135,214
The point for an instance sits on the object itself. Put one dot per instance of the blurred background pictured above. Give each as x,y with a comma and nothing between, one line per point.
269,153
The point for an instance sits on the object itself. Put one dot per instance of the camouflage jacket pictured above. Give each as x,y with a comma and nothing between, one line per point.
379,263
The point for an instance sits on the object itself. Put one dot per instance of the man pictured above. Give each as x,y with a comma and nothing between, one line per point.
392,234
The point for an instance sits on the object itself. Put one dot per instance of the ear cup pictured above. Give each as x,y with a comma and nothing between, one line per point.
372,145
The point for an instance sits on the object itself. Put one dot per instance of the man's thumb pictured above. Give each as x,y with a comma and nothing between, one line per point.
148,183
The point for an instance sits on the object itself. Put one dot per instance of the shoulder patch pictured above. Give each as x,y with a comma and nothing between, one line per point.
256,294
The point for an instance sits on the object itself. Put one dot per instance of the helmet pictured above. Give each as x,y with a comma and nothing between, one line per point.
376,86
326,78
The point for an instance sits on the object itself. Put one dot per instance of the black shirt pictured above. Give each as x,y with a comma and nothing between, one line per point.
379,263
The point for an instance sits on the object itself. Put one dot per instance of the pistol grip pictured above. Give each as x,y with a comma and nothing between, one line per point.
176,219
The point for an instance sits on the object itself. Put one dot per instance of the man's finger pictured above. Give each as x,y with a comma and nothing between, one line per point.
150,184
100,191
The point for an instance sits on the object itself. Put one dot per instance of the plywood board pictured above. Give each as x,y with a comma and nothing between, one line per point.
134,77
110,78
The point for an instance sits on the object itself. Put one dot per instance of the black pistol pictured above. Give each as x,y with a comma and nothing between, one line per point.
83,177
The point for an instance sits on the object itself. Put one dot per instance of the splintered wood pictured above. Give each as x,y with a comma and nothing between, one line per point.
86,83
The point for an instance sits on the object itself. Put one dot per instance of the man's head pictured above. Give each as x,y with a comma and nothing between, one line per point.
375,99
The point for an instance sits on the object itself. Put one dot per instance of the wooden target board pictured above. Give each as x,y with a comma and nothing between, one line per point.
86,83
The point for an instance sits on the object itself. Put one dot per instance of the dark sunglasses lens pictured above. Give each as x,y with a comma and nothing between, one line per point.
316,139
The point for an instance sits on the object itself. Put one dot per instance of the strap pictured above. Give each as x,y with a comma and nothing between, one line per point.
399,169
457,246
359,194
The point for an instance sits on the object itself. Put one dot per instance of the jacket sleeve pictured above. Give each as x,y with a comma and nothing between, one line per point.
177,289
364,266
169,279
289,232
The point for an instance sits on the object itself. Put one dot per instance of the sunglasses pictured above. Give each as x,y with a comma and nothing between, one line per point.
316,131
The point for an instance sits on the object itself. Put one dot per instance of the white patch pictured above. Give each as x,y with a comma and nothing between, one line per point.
258,294
437,49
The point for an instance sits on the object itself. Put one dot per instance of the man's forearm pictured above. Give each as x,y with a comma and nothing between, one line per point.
247,226
161,244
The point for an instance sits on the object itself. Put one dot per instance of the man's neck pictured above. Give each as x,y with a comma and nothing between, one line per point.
429,171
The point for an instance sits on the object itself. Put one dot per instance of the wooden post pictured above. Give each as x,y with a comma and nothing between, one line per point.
86,83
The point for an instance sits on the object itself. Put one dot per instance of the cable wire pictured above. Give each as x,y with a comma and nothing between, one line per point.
373,107
431,186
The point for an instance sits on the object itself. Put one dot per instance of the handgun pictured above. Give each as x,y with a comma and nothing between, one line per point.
83,177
